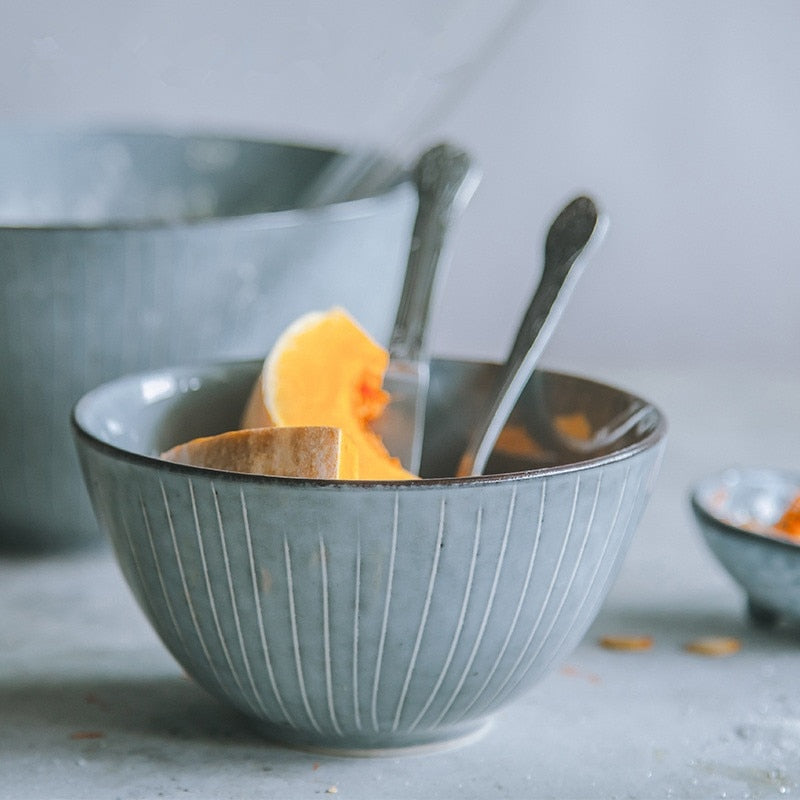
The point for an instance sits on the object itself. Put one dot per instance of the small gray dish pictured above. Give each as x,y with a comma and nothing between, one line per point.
735,510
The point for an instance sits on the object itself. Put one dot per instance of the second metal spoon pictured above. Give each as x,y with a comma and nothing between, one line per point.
577,226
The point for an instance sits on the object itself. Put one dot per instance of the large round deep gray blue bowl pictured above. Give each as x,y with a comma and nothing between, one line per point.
124,251
368,616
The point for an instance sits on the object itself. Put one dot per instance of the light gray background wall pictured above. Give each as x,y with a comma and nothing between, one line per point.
682,117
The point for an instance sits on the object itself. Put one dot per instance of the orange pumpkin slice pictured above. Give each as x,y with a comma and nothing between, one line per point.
789,523
326,370
307,452
574,425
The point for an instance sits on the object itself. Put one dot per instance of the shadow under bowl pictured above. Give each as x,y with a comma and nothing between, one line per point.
735,509
367,617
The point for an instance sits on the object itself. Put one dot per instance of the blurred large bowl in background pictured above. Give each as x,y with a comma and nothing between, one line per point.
121,251
356,615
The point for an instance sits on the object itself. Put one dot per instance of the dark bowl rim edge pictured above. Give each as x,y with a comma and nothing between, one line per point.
654,438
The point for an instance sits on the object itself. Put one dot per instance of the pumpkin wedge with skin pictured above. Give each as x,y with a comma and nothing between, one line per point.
292,452
326,370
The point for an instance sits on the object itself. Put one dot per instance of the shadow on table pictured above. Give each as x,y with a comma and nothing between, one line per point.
105,713
680,625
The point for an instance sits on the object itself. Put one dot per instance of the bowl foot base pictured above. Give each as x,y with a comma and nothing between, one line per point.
379,746
761,615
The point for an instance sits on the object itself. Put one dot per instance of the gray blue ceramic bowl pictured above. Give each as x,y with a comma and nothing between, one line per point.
735,509
358,616
125,251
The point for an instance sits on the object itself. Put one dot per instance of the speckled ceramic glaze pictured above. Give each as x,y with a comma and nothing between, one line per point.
356,616
735,509
121,252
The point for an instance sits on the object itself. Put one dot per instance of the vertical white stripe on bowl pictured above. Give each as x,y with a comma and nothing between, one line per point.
298,661
235,607
545,639
548,596
425,611
385,622
187,597
627,528
326,634
520,603
260,617
456,637
487,611
209,591
356,606
143,594
602,561
160,575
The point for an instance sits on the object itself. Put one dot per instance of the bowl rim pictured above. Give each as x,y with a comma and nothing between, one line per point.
729,528
341,210
652,439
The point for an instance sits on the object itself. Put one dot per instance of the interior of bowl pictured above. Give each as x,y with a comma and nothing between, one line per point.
751,499
559,420
147,414
107,178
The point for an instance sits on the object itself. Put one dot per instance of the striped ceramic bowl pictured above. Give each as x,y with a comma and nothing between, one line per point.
357,616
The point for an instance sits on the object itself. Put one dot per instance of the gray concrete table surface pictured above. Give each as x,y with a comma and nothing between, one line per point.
92,705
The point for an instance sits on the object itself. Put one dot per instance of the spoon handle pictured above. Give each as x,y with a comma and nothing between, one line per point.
445,180
564,256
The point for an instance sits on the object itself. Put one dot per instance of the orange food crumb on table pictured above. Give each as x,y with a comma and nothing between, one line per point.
714,646
626,642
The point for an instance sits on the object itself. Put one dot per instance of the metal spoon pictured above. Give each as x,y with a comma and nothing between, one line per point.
445,180
577,226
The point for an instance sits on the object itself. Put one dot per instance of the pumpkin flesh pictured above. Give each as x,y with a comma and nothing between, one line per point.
325,370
